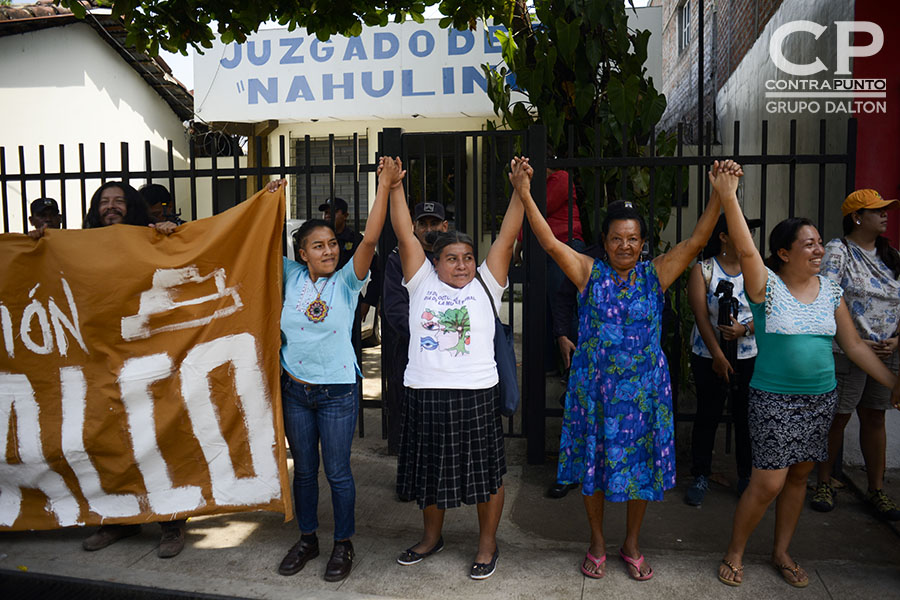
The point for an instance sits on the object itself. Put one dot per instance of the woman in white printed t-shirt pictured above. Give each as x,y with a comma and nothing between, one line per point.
451,442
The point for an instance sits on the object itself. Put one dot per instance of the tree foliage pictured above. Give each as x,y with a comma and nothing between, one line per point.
174,25
576,67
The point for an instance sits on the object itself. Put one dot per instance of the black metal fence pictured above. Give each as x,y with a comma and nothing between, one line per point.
465,172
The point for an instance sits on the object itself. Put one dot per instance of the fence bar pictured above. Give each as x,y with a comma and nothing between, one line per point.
651,150
235,151
102,162
82,180
148,162
126,177
4,195
307,141
24,191
214,164
677,200
821,219
193,174
763,181
792,171
62,184
170,166
43,171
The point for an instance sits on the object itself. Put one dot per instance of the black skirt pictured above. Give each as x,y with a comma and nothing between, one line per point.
451,447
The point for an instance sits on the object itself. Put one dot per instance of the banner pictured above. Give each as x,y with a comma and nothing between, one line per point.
139,375
399,71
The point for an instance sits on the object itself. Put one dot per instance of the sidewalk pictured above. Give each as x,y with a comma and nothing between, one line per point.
847,552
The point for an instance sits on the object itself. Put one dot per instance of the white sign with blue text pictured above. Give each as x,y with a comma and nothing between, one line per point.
392,72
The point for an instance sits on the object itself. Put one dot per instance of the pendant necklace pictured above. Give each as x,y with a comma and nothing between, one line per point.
317,310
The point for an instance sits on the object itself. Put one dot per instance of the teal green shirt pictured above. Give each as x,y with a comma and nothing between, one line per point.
794,339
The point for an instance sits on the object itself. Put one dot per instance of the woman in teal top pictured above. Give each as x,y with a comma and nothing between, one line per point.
318,382
797,313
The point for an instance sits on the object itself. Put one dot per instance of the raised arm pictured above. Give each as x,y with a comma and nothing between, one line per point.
858,351
752,265
362,257
671,265
575,265
500,254
411,253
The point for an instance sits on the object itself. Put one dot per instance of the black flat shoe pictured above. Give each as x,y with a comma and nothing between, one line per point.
299,554
411,557
340,563
485,570
559,490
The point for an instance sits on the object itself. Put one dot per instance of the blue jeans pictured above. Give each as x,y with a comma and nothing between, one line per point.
327,413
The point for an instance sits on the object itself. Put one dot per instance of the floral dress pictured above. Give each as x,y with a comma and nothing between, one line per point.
617,433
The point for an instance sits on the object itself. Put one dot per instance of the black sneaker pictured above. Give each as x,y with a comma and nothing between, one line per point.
695,494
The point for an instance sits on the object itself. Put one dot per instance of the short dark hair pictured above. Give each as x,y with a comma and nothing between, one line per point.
303,232
783,236
622,210
135,206
155,194
442,239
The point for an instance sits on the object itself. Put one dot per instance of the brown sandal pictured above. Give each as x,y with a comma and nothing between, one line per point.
795,571
735,571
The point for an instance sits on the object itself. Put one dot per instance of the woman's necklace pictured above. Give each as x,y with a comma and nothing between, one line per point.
317,310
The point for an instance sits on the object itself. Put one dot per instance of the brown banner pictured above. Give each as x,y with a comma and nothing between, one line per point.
139,372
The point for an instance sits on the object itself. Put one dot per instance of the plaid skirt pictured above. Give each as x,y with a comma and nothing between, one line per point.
451,446
786,429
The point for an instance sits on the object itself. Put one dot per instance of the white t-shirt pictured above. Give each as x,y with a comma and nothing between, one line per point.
451,343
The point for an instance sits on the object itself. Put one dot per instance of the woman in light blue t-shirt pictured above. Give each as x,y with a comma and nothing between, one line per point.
318,382
797,313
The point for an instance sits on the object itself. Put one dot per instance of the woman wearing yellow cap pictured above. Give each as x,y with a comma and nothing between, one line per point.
866,267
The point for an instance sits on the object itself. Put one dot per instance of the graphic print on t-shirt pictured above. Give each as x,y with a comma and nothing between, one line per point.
450,330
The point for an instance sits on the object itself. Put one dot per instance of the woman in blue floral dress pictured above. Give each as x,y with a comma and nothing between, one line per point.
617,436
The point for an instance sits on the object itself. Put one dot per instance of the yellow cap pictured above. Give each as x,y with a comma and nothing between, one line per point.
866,199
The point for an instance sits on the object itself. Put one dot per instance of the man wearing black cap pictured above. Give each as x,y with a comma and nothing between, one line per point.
348,239
45,213
428,217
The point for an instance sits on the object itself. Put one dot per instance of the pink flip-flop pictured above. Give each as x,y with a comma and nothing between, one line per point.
598,562
636,563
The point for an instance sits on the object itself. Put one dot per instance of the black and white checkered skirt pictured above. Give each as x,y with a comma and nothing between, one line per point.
786,429
451,447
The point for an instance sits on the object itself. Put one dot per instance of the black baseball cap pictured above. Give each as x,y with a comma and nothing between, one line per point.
722,225
42,204
429,209
339,204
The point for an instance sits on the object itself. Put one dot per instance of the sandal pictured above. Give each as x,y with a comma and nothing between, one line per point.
795,571
735,572
636,563
598,563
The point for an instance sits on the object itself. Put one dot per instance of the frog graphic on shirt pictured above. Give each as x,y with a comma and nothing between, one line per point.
450,330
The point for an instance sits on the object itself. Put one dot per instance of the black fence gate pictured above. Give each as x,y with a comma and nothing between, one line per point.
465,172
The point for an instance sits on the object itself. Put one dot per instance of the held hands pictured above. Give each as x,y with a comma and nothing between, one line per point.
36,234
724,177
885,348
390,170
734,331
520,173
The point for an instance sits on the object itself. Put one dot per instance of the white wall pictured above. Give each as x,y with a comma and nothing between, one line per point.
743,98
65,85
